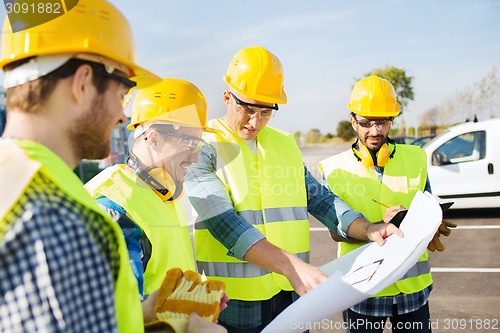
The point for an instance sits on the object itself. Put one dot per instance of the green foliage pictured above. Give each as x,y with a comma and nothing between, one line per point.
298,138
312,136
345,131
400,80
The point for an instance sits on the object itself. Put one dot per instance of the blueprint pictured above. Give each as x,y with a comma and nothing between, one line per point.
365,271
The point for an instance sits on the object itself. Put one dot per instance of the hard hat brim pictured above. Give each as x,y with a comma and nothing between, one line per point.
143,77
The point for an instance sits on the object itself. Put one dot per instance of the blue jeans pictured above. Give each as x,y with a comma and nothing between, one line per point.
416,321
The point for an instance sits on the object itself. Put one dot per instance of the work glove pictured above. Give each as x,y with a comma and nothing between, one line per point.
444,229
183,293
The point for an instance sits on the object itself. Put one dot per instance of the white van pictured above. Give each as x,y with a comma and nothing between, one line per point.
464,164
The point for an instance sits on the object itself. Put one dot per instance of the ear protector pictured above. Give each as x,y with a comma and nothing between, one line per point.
158,179
364,156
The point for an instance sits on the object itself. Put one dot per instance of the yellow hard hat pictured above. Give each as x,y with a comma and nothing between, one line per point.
374,97
174,101
257,74
92,27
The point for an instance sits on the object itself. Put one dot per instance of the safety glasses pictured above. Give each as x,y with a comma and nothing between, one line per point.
380,123
190,142
129,84
249,109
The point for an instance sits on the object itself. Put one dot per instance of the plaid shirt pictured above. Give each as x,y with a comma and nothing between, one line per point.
382,306
211,200
58,261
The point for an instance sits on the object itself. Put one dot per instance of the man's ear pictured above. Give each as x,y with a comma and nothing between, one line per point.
152,138
227,97
81,84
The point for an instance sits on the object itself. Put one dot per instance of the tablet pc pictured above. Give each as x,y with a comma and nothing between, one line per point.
400,215
398,218
446,205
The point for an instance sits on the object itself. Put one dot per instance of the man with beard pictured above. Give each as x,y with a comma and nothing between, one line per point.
387,173
63,262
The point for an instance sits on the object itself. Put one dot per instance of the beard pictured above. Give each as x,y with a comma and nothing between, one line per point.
91,134
373,147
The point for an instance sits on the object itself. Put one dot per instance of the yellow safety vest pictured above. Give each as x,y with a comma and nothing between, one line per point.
22,160
164,223
404,175
269,192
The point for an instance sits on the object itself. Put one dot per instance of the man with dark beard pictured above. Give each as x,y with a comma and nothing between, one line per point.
388,173
63,262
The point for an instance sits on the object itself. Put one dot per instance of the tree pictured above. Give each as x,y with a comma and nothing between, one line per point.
298,138
466,105
430,117
345,131
400,80
312,136
480,100
489,93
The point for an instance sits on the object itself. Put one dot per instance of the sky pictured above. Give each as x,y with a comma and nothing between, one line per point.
324,46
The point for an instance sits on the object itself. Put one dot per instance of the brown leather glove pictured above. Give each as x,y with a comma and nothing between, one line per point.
183,293
444,229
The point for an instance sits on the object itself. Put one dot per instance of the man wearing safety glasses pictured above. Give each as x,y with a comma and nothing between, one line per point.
253,194
167,120
388,173
64,265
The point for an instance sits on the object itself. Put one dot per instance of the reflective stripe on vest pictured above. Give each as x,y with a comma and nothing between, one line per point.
239,269
255,217
268,191
421,267
26,158
404,175
164,223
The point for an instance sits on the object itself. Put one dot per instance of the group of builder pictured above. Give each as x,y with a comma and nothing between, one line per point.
74,262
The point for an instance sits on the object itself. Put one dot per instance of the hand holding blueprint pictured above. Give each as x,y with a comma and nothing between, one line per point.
365,271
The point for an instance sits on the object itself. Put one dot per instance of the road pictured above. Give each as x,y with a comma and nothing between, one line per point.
466,295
